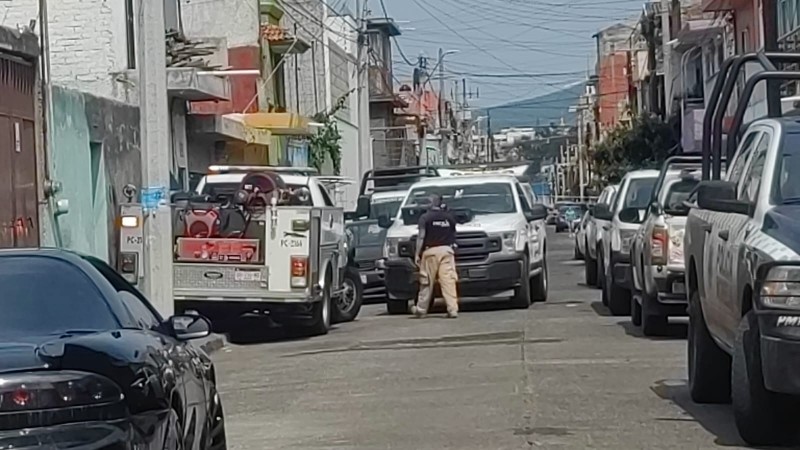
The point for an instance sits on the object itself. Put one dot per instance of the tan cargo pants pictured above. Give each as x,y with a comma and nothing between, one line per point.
438,264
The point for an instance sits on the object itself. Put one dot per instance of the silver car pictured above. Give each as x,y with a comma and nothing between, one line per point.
592,242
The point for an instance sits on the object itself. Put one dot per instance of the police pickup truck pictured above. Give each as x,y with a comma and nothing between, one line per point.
498,250
742,256
380,194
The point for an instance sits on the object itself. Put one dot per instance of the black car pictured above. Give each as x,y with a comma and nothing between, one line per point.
87,362
571,213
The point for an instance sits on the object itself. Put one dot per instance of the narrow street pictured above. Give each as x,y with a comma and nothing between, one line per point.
561,375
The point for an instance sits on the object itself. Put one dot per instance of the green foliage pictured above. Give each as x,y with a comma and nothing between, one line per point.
643,145
326,142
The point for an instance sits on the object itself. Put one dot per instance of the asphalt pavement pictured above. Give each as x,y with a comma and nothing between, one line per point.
563,374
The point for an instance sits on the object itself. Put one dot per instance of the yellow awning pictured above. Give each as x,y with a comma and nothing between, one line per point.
286,124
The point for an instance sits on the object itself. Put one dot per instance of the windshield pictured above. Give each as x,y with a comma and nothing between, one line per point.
787,182
638,193
483,198
367,233
384,207
679,193
43,296
220,190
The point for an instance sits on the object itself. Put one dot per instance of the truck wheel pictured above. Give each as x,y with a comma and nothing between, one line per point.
348,303
652,323
320,322
539,283
762,417
522,294
395,307
636,312
619,299
709,366
589,269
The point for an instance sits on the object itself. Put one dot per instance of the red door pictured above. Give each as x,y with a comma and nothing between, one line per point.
19,216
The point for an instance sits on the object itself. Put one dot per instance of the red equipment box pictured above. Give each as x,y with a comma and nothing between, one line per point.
218,250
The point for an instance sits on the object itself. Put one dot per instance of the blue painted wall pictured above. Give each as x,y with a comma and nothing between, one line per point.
94,152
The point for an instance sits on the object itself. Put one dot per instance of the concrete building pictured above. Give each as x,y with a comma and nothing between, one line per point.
93,137
612,72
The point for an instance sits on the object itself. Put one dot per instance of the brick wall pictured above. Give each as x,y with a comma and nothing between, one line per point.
307,95
612,88
87,42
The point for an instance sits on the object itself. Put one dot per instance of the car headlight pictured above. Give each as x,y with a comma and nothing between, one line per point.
781,288
621,240
509,242
390,247
676,246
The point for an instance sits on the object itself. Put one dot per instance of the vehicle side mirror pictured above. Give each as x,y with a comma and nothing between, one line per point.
189,326
720,196
537,212
385,221
591,210
602,212
629,215
654,207
362,206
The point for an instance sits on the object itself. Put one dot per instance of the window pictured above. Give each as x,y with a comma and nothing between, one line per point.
751,182
742,155
523,201
639,192
45,296
786,187
325,197
482,198
140,309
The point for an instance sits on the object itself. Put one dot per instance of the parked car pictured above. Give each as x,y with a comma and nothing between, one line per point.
569,215
743,269
580,237
87,362
623,218
657,264
593,272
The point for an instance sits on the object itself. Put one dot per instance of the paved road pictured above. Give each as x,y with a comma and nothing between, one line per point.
560,375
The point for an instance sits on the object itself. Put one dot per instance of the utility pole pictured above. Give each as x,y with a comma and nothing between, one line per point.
441,91
580,151
490,136
666,49
154,121
364,147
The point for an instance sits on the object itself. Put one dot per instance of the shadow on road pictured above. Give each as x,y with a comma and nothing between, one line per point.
261,330
674,331
600,309
716,419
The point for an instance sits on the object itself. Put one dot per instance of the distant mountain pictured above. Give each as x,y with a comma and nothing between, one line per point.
537,111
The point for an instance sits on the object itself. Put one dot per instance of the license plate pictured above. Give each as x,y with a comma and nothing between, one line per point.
363,279
678,288
247,275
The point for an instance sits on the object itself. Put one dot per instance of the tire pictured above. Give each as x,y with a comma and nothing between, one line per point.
590,270
762,417
396,307
217,439
576,254
652,324
602,280
709,366
540,283
348,303
320,322
636,312
619,298
522,294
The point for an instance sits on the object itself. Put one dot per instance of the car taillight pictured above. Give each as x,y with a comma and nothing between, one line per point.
45,391
299,271
659,245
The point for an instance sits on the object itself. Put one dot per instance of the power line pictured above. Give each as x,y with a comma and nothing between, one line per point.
397,44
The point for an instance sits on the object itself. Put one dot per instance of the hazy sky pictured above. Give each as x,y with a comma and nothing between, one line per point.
508,37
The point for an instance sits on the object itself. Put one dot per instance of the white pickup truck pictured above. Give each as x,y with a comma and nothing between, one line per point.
499,250
252,241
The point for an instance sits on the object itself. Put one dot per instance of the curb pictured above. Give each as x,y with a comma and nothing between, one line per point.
212,343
